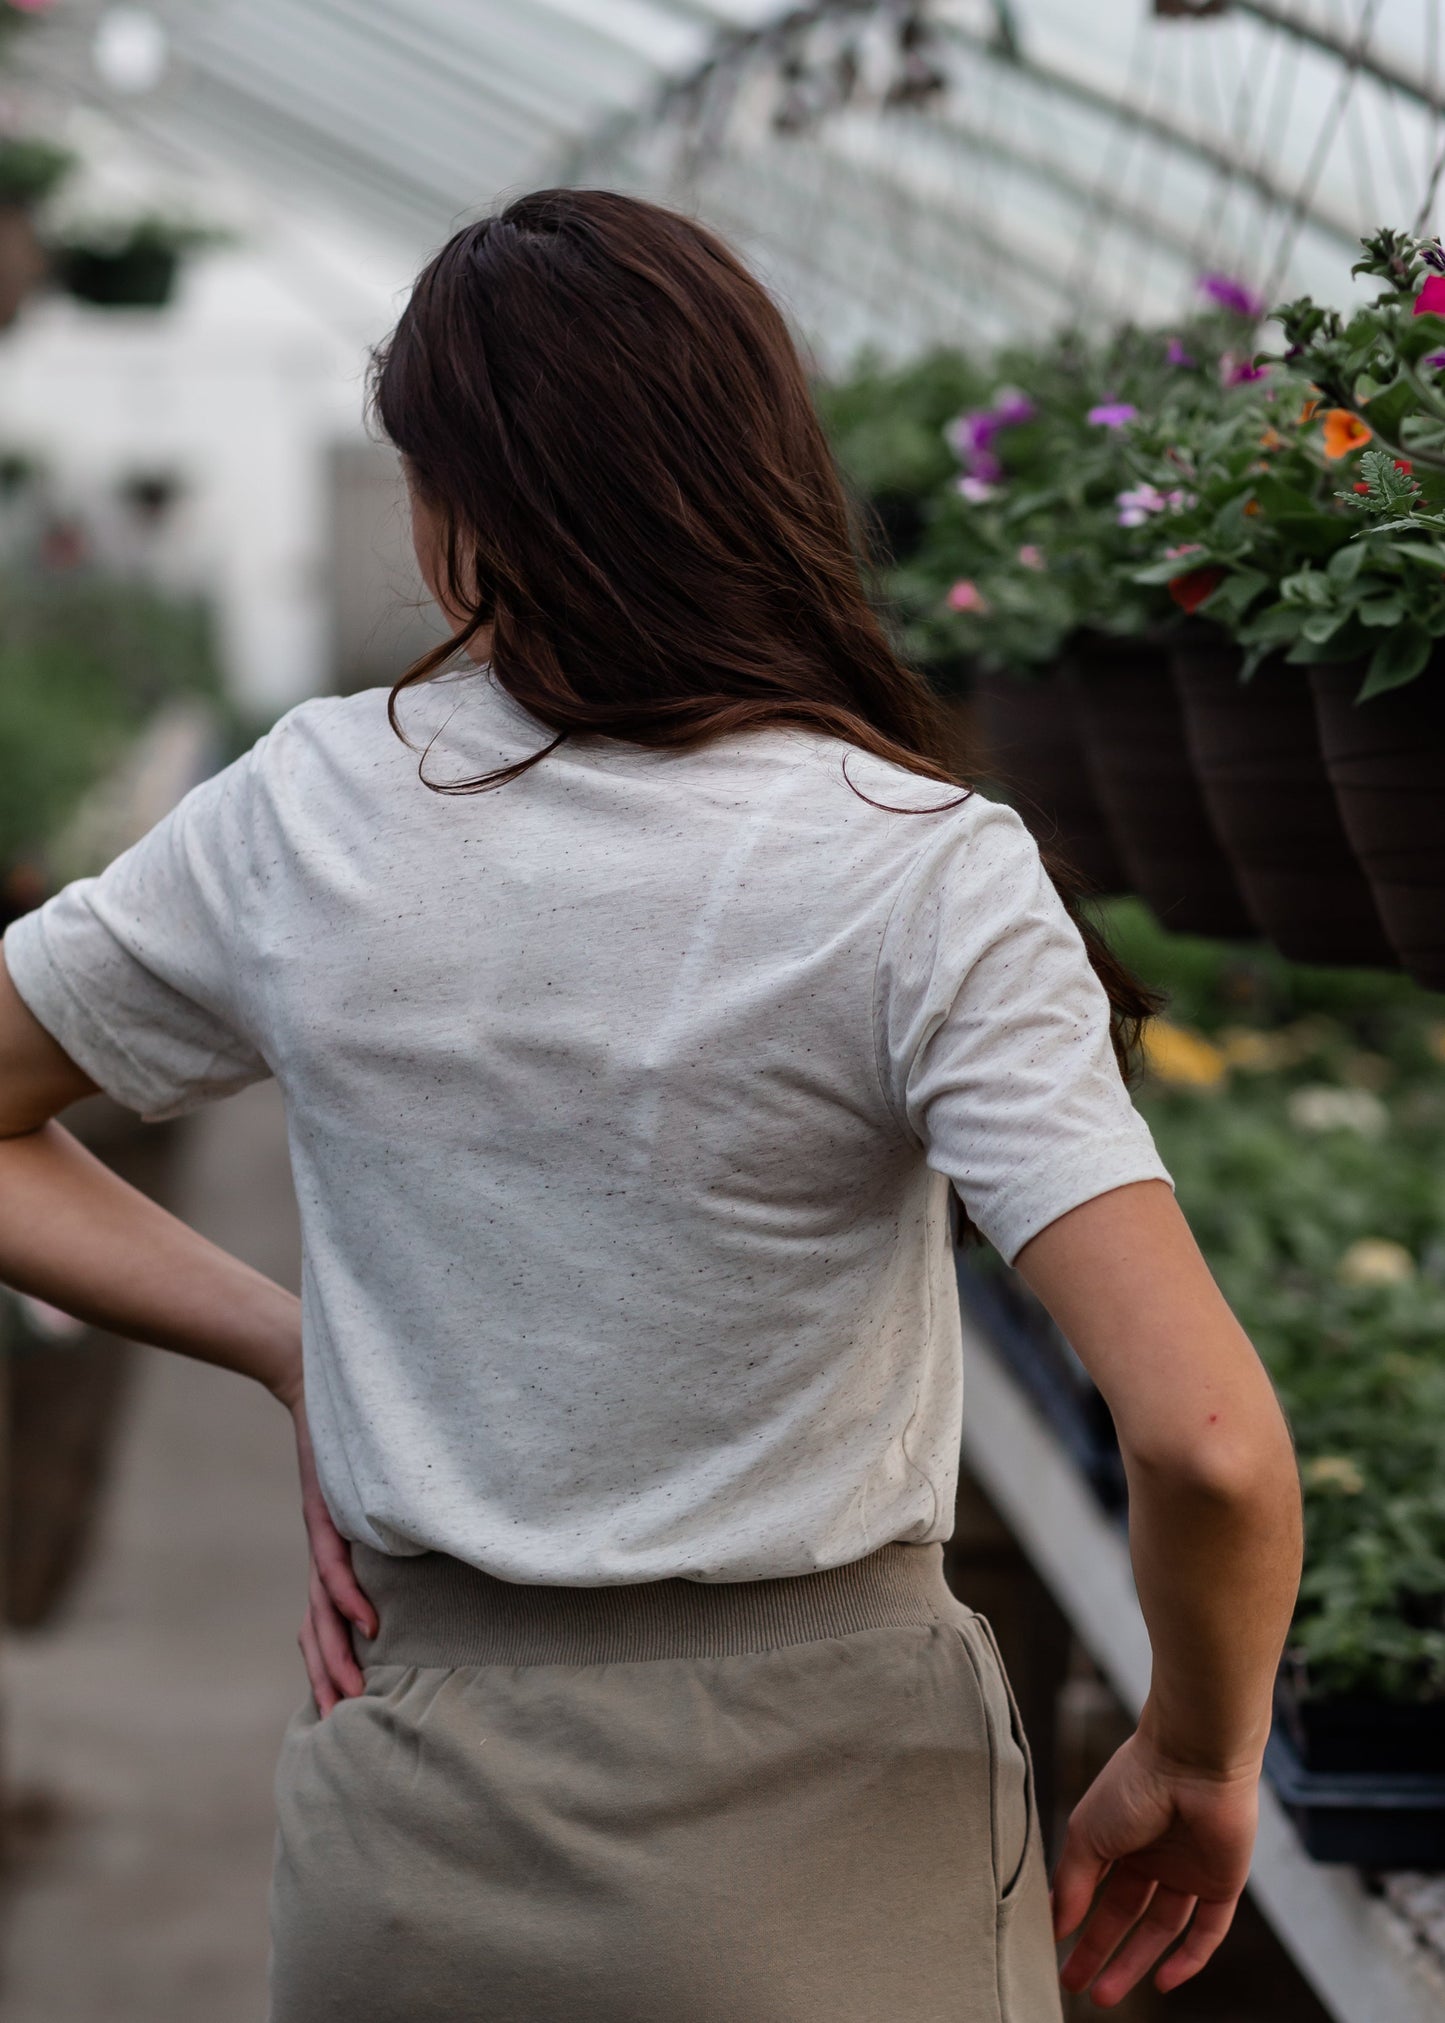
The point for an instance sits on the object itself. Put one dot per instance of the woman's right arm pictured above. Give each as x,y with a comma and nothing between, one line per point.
1167,1828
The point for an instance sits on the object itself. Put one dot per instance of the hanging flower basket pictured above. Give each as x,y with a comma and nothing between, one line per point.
135,277
1134,744
1385,758
131,266
1257,757
1030,731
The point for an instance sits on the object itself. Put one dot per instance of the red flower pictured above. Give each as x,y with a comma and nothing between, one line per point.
1404,464
1190,590
1361,486
1431,299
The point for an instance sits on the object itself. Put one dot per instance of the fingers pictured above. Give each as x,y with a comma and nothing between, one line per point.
333,1641
331,1557
329,1550
1077,1877
1123,1898
1165,1916
322,1691
1211,1922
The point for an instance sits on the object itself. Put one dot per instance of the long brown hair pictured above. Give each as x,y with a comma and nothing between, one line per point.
607,416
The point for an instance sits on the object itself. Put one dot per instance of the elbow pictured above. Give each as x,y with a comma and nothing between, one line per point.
1245,1466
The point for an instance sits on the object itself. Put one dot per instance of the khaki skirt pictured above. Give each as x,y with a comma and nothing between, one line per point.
786,1801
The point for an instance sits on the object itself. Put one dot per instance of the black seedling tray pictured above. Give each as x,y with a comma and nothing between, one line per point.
1358,1737
1363,1818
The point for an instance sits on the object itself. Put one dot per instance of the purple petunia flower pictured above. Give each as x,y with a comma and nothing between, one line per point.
1011,409
978,491
1236,370
970,435
1232,295
1175,354
1112,413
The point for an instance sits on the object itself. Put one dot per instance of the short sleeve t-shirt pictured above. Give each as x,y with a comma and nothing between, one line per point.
624,1102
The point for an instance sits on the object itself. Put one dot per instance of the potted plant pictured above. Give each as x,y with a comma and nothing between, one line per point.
886,424
1258,508
29,170
984,579
130,264
1094,521
1369,618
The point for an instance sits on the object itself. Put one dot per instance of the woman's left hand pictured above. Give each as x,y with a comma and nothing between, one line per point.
335,1601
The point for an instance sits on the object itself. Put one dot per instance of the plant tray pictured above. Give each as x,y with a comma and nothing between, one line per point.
1032,1347
1333,1733
1367,1820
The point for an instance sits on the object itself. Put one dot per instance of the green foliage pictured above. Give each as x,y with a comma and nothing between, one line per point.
84,661
31,169
1324,1222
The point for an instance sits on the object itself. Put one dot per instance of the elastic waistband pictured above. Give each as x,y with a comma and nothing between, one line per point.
436,1610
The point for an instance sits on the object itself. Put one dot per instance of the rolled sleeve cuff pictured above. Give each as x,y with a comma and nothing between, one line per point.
1037,1196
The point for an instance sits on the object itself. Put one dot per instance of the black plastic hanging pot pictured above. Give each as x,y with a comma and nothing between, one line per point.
1386,762
1138,758
1030,732
1256,754
131,277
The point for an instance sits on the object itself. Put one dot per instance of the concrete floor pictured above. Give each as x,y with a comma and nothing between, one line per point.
141,1732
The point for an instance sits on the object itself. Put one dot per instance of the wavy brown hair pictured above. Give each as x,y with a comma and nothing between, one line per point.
609,420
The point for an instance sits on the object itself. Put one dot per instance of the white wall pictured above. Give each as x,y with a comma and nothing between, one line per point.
244,386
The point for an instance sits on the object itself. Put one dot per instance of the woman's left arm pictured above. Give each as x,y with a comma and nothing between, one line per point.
77,1236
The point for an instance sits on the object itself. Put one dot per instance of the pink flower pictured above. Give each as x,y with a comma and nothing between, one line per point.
1431,299
966,596
31,6
1175,354
1032,557
1184,548
1140,503
1111,414
1236,370
978,491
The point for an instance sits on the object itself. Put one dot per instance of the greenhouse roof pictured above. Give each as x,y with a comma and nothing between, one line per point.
903,169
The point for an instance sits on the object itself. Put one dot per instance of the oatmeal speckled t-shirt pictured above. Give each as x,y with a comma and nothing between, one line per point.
624,1102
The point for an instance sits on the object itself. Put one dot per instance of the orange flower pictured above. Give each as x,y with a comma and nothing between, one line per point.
1308,412
1344,433
1271,440
1251,509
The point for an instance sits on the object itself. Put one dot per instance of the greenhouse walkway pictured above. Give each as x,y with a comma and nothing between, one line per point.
145,1812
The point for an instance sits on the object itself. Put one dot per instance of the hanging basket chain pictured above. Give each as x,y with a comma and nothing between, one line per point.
1324,141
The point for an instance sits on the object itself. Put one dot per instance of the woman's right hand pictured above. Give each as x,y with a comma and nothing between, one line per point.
1171,1845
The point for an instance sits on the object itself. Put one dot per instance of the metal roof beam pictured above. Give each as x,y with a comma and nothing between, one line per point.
1288,22
1215,154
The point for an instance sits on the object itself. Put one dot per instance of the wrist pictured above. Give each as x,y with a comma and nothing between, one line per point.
1181,1749
280,1368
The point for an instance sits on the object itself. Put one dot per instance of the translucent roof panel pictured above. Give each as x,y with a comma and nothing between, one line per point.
903,170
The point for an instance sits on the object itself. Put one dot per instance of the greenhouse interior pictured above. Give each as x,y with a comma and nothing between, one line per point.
1126,325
